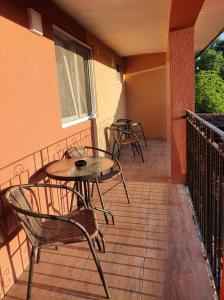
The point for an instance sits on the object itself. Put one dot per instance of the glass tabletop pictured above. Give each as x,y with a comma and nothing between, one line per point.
67,170
126,123
121,123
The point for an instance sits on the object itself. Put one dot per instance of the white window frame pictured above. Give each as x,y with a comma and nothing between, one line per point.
70,121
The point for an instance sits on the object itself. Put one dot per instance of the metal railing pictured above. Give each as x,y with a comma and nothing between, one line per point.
205,177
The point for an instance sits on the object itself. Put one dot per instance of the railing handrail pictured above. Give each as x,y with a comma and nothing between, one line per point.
207,124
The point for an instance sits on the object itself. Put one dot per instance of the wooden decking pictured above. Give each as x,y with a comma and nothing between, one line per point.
153,251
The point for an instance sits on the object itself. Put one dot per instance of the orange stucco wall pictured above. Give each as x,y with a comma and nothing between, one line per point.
31,132
181,57
145,84
110,93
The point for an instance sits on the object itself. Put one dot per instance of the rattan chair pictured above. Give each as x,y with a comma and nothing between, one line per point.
115,172
44,229
135,127
122,138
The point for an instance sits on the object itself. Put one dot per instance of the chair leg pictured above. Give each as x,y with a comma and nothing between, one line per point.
98,244
125,187
133,149
72,197
38,255
103,211
136,147
32,260
113,149
100,271
118,155
92,191
94,245
143,133
140,151
103,241
101,201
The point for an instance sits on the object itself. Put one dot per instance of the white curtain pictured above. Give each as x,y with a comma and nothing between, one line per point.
73,77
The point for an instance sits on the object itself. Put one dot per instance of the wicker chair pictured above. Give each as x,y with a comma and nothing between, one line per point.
135,127
122,138
44,229
116,171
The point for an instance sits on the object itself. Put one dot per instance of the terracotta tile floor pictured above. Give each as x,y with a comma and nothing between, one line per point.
152,251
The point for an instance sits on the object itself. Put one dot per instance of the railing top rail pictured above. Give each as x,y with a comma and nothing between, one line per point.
207,124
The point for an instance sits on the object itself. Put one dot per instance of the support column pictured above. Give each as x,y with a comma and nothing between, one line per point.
181,63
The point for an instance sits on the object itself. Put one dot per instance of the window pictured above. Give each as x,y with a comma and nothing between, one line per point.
73,70
119,74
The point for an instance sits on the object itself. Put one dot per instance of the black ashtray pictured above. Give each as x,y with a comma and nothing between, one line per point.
81,163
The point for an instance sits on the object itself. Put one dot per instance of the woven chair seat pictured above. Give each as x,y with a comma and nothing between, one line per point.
58,232
127,141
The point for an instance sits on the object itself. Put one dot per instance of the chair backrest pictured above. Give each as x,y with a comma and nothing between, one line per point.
18,198
124,120
76,152
114,132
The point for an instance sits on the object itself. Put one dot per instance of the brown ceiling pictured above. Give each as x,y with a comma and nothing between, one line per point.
209,23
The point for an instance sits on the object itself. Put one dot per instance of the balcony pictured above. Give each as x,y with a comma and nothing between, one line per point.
152,252
133,59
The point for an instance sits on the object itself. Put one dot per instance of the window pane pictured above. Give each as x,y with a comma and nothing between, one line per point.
82,84
65,88
73,76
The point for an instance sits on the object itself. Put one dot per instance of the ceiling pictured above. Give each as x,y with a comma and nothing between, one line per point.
209,23
129,27
132,27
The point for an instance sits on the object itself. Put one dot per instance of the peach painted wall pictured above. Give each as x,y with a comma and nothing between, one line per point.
31,132
110,93
145,84
168,104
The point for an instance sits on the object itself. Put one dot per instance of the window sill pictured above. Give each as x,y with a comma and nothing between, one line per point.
75,122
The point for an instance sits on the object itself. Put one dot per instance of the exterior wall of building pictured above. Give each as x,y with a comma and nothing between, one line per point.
145,84
110,93
181,46
180,57
30,121
181,51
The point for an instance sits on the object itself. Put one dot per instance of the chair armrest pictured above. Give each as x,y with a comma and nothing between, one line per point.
51,217
57,186
106,152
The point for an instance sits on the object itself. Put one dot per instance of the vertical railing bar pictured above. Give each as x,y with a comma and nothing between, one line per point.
205,176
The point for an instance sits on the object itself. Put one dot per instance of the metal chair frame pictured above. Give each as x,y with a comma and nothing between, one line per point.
100,180
130,138
37,244
129,127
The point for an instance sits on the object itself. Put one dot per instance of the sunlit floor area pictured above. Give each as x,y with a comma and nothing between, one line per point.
152,252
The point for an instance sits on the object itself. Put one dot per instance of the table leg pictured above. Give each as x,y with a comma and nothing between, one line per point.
79,187
83,187
86,193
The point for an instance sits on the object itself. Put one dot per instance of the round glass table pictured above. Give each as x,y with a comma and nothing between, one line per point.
82,176
67,170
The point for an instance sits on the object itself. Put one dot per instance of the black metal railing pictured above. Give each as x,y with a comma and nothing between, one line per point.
205,177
